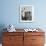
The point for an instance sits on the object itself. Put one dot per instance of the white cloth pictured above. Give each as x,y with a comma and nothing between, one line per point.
11,28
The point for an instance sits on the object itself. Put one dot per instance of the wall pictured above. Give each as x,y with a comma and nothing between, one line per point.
10,13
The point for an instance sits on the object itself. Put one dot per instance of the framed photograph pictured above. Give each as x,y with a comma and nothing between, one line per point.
26,13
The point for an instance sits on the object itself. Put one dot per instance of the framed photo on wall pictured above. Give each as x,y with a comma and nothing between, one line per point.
26,13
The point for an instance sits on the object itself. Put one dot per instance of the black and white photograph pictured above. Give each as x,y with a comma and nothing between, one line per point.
26,13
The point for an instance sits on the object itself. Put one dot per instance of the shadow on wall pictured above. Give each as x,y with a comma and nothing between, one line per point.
2,26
